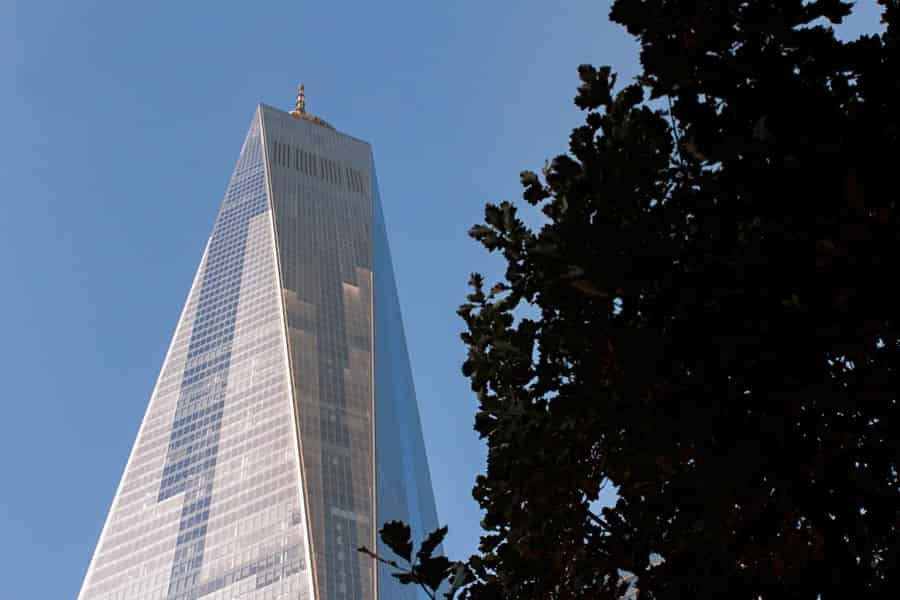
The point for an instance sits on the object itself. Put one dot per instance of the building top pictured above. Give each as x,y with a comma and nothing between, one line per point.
299,111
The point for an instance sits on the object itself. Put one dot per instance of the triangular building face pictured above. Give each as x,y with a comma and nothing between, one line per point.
283,429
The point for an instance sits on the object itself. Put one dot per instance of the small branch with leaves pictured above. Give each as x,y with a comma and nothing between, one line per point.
431,573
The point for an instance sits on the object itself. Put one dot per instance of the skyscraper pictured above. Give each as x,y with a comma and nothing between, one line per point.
283,428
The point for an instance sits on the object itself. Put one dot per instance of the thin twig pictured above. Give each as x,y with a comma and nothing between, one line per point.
675,132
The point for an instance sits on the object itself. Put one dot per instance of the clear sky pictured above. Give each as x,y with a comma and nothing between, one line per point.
123,121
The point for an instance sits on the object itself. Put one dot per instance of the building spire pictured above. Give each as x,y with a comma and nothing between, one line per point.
299,111
300,104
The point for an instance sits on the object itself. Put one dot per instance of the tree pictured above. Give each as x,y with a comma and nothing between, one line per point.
706,319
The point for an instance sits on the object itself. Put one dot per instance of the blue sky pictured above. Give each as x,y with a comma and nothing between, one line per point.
122,123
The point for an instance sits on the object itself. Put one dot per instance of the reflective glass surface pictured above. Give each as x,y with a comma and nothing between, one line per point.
283,429
210,504
323,216
404,489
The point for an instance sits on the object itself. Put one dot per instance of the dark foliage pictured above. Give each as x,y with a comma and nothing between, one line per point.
426,571
708,320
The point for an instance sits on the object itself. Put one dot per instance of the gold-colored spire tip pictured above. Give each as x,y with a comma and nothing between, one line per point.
299,111
300,103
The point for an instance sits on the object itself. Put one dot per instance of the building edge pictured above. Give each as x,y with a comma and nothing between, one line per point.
295,406
140,433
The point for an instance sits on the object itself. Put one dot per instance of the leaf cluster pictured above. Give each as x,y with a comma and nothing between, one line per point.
706,320
424,570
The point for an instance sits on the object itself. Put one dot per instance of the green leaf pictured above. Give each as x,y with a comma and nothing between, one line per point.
493,215
596,87
486,235
431,542
396,536
433,572
462,576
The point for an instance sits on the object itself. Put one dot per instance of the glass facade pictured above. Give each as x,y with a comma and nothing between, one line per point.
403,481
283,428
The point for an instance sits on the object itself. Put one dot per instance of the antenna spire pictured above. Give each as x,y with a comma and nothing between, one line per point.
299,111
300,104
